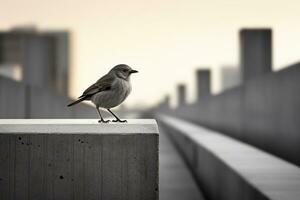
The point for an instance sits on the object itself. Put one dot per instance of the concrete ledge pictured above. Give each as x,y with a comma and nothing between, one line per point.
78,159
76,126
229,169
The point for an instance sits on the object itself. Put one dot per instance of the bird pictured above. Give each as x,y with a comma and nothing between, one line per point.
109,91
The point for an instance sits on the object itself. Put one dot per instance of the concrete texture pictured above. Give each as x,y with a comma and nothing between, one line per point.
256,52
230,169
74,159
264,112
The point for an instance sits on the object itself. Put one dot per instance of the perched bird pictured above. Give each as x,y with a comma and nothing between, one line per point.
109,91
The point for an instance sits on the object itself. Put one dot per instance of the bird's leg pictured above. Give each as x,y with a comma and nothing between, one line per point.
101,118
117,118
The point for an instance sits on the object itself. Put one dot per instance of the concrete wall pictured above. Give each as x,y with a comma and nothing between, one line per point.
216,179
229,169
12,99
78,159
265,112
18,100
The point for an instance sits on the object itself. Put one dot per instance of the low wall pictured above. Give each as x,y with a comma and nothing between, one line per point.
264,112
12,99
18,100
228,169
78,159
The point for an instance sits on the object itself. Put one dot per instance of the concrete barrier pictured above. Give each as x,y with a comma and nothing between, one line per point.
12,99
263,112
78,159
229,169
18,100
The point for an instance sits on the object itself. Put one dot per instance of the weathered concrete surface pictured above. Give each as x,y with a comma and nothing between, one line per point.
229,169
78,159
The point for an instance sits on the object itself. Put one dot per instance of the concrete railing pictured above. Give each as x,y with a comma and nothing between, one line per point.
78,159
263,112
229,169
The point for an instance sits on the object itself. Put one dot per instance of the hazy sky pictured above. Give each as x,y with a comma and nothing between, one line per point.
165,40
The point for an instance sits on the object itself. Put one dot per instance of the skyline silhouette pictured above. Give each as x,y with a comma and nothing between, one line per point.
156,37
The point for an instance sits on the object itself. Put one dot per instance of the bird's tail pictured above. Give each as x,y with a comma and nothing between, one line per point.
77,101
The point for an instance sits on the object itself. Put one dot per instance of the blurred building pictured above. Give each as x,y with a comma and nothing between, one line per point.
41,58
255,52
230,77
203,77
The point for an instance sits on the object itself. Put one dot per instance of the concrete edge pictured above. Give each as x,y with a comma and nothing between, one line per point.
76,126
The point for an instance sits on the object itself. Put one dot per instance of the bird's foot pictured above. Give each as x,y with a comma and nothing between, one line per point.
103,121
119,120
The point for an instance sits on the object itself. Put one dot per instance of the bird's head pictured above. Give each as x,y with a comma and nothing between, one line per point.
122,71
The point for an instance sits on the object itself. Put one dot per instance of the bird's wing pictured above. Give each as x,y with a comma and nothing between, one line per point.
102,84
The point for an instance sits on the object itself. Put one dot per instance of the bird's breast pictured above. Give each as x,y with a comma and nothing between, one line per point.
115,96
123,88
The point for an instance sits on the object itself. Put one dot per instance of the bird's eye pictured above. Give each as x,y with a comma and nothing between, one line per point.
125,70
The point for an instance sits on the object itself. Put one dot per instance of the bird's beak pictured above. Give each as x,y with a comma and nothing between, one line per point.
133,71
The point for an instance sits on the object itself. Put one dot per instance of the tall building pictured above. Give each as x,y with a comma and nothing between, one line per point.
203,83
181,92
255,52
43,57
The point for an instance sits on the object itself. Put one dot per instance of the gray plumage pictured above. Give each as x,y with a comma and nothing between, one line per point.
110,90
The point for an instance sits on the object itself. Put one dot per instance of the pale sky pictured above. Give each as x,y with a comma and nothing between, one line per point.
165,40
